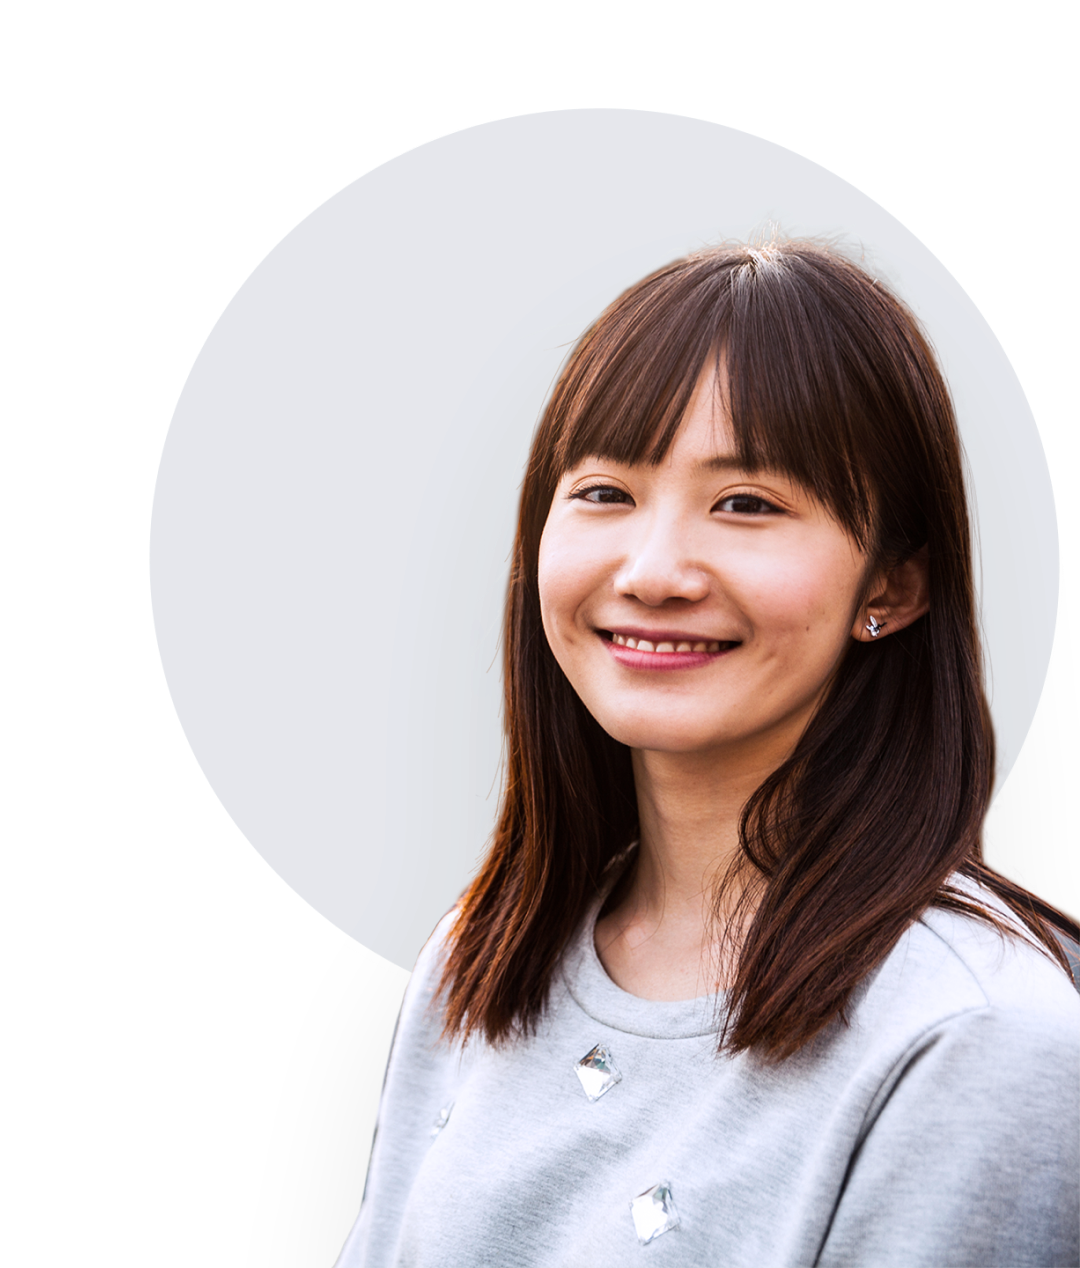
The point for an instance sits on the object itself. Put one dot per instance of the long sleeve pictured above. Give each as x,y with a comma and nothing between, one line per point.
417,1074
971,1158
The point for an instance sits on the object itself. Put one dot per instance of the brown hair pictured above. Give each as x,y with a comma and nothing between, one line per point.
831,381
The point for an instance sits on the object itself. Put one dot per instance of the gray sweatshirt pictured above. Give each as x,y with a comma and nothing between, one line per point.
939,1127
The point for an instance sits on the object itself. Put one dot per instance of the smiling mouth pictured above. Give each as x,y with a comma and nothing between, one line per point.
667,646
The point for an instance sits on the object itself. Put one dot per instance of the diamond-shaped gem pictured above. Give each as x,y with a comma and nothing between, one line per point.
441,1119
654,1213
597,1072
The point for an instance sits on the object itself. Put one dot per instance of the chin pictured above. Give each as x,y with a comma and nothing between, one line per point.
659,735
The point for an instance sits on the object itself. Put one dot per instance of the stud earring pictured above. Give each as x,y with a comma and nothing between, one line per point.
875,627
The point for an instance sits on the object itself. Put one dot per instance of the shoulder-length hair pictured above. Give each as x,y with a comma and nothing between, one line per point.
831,381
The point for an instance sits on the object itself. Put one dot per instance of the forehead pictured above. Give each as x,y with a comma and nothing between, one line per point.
705,436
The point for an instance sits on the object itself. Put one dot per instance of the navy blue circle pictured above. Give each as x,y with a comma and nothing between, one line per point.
328,516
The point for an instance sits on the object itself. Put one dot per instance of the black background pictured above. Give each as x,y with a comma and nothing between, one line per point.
264,1036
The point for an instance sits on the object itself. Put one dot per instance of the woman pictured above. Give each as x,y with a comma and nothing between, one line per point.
733,985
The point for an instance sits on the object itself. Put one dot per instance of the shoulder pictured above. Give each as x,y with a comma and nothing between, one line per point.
421,1016
970,1043
954,980
1011,973
429,963
967,1152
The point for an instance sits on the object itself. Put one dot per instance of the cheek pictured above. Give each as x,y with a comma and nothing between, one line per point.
807,595
563,581
555,585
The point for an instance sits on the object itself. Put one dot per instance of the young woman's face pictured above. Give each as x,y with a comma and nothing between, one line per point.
694,605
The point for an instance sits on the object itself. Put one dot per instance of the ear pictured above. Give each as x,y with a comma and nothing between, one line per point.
897,597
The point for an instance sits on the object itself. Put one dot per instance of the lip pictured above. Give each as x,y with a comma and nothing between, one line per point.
631,658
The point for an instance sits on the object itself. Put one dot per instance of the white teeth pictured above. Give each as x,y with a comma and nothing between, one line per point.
646,645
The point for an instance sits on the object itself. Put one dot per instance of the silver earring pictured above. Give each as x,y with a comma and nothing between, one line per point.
873,626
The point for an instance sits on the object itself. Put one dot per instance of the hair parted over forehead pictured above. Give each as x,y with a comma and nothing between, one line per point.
827,378
823,369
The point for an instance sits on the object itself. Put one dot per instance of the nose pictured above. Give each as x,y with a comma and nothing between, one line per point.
659,566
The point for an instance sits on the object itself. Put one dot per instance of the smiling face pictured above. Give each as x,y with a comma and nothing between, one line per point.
695,606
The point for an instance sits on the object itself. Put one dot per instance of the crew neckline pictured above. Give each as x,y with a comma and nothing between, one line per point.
596,994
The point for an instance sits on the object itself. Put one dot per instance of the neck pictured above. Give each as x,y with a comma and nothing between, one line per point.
660,938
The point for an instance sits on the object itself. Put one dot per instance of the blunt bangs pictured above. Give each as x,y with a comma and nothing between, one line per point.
822,373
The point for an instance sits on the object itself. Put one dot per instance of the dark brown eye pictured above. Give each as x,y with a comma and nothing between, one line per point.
601,493
747,504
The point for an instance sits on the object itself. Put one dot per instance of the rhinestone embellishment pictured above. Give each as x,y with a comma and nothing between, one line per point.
441,1119
597,1072
654,1213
